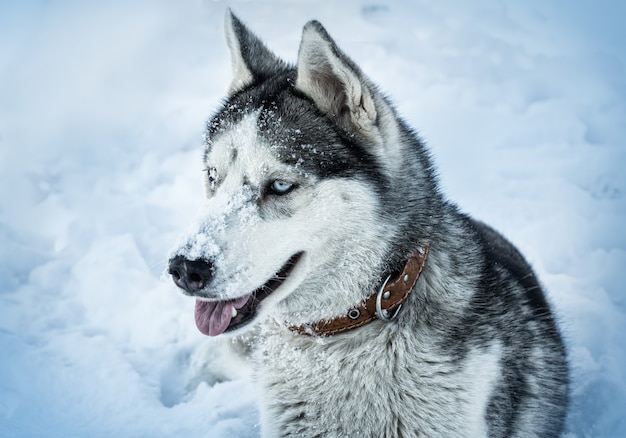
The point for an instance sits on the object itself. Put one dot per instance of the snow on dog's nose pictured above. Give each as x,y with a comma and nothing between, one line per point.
191,276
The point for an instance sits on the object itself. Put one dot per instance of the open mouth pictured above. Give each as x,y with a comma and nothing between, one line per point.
216,317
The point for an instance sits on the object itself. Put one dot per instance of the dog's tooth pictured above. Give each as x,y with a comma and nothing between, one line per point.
234,312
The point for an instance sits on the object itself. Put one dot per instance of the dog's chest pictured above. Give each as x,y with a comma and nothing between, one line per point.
392,388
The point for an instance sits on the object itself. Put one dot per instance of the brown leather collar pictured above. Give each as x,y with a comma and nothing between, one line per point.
384,304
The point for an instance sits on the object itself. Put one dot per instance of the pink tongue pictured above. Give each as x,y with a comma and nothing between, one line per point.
212,318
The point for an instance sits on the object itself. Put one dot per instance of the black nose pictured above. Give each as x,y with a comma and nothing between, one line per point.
190,275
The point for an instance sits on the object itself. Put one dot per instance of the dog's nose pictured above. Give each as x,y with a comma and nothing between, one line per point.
190,275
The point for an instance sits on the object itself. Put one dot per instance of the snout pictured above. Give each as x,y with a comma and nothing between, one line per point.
190,275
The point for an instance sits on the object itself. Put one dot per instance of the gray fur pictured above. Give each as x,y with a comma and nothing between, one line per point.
475,350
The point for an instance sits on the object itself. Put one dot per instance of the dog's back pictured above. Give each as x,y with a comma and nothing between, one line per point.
532,397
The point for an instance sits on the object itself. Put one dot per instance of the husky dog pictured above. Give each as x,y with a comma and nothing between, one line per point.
380,309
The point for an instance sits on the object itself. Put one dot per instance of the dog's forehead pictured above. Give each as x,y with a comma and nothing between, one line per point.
242,153
256,143
237,141
285,130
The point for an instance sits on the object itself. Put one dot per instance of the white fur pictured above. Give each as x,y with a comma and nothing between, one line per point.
385,383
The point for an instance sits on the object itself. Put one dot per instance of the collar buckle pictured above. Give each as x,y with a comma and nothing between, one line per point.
383,314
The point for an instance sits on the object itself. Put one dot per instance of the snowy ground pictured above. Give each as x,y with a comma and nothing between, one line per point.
102,106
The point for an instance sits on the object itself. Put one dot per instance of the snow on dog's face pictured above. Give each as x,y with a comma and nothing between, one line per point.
291,192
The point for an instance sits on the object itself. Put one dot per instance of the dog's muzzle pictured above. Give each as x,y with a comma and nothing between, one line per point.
215,316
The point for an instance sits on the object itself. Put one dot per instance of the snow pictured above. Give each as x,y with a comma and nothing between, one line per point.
102,107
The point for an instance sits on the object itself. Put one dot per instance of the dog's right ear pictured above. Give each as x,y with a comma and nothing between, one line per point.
251,60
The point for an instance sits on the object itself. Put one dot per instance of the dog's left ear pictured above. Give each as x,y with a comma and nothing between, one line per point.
334,82
251,60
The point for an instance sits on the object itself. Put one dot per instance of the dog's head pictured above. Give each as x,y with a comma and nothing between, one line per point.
297,162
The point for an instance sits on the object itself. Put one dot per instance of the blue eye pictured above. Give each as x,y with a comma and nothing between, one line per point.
280,187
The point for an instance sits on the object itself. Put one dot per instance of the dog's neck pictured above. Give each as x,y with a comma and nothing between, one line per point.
385,304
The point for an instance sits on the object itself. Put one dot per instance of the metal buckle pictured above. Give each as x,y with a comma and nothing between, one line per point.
381,313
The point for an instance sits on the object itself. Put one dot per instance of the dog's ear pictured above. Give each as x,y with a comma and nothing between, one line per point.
251,60
333,81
